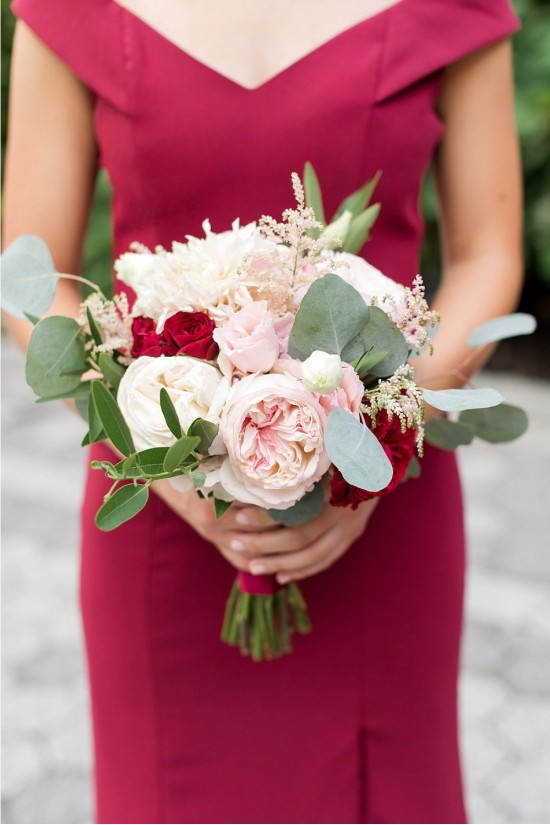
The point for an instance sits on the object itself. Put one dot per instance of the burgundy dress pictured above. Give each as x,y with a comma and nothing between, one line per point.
359,724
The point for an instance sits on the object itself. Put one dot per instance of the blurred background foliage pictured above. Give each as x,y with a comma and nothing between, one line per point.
532,69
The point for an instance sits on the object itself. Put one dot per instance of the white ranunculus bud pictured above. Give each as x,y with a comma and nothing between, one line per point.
322,372
135,268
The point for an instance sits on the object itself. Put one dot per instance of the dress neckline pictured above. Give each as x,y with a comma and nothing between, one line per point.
294,65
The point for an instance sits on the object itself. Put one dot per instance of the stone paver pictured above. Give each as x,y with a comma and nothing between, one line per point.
505,696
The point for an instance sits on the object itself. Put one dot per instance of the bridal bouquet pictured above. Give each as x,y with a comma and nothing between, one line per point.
267,365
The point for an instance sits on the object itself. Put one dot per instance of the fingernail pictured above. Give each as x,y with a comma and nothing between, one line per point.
241,518
283,579
236,544
258,568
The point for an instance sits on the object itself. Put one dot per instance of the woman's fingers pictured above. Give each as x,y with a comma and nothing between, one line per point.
293,561
251,518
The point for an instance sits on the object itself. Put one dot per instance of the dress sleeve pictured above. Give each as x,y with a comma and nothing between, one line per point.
87,36
425,36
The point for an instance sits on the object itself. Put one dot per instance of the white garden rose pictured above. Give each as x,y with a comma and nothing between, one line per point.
322,372
369,282
197,390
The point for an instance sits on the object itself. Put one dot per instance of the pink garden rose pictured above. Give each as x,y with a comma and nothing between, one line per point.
249,339
348,394
273,430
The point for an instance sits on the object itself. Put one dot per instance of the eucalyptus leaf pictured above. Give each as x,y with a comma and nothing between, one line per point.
179,451
81,391
331,315
314,198
206,432
506,326
448,435
56,358
498,424
357,453
307,508
455,400
381,334
29,278
124,504
358,200
221,507
81,404
358,231
112,371
112,419
169,413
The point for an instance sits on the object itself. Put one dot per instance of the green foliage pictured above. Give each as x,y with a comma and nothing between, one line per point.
505,326
455,400
29,278
307,508
123,505
498,424
56,358
331,316
169,413
356,451
112,419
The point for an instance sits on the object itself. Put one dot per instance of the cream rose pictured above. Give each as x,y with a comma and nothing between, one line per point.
273,430
197,389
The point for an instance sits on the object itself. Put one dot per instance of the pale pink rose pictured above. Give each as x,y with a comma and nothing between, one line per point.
273,429
285,365
347,395
282,328
249,339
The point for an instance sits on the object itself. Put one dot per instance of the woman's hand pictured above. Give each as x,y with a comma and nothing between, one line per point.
238,524
298,552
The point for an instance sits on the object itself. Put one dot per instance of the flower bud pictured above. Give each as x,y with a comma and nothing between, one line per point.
322,372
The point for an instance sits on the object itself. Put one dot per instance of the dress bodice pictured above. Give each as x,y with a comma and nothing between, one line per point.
181,142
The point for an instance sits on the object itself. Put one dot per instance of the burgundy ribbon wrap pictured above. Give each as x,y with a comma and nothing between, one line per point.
257,585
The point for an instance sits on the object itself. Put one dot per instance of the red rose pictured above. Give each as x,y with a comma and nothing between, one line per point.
190,333
146,339
398,446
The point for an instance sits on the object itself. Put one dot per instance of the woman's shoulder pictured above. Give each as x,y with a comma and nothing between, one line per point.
86,35
425,36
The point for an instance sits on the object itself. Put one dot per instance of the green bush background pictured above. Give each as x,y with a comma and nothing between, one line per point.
532,66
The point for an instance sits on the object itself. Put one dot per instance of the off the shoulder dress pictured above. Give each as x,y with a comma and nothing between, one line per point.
359,724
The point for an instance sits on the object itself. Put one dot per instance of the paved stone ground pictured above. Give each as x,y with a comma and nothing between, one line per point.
506,678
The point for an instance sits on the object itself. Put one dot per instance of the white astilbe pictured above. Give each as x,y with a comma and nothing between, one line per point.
399,396
113,321
411,314
295,258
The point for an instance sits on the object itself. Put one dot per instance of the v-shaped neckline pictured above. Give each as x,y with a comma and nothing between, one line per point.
295,64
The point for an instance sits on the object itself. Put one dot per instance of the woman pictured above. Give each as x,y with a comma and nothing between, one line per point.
201,111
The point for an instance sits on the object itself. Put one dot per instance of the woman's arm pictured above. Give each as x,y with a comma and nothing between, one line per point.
479,185
478,179
51,163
